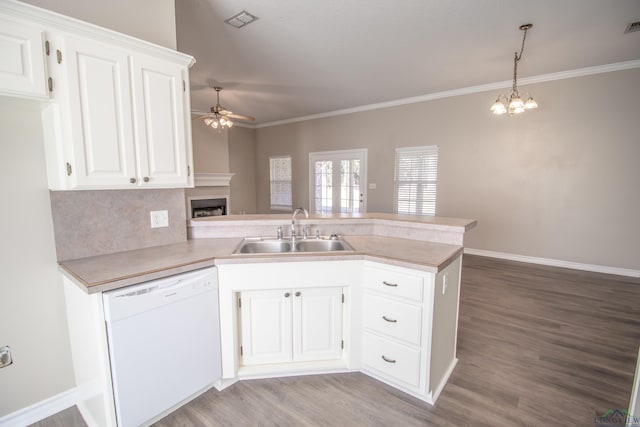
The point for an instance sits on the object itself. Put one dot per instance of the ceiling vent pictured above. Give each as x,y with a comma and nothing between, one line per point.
241,19
634,26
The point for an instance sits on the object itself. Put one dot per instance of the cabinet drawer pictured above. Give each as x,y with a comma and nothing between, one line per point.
392,359
396,319
393,283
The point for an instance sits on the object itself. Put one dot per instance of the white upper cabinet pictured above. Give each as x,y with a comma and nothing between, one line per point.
98,114
119,110
22,69
158,99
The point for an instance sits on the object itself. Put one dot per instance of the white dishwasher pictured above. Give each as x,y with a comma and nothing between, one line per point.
164,343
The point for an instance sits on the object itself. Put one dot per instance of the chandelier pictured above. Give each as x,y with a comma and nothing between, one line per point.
514,104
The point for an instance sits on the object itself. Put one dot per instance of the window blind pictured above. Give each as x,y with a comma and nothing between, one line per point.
280,182
415,180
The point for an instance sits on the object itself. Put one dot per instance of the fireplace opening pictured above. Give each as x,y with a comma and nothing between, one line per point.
208,207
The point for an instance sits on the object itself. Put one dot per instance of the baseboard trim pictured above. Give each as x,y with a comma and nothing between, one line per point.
40,410
555,263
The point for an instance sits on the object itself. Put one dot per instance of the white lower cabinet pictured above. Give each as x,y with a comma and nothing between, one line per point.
398,325
291,325
409,326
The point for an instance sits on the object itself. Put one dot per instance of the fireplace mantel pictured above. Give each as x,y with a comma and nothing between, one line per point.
213,179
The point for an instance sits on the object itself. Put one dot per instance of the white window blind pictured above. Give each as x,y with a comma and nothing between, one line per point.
280,179
415,180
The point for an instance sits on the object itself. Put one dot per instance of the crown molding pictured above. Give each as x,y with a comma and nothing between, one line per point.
599,69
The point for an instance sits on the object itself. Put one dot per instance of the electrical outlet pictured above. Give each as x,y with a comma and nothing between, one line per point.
445,283
159,219
5,356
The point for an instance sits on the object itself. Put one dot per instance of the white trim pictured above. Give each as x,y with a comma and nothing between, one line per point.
41,410
212,179
555,262
580,72
633,402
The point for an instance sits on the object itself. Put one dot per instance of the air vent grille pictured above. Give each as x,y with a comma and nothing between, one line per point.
241,19
632,27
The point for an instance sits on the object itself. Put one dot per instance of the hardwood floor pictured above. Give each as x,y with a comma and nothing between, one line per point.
538,346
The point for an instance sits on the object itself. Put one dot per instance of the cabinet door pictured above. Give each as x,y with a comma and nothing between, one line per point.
22,69
99,108
160,121
317,324
266,326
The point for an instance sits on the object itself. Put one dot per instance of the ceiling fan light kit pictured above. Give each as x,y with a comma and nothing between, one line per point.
514,103
220,118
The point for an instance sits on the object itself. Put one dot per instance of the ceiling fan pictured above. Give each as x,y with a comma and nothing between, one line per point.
220,117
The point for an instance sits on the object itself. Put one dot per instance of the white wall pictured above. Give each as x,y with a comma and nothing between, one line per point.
150,20
32,310
559,182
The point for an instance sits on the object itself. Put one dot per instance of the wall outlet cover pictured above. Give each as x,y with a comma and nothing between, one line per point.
159,219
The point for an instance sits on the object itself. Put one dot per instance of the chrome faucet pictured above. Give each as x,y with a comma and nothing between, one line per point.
293,221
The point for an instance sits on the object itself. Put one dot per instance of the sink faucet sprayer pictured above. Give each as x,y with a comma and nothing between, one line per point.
293,220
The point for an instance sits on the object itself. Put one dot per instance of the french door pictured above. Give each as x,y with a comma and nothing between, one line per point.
338,181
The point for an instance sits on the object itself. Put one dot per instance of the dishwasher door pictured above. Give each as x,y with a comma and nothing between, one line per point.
164,344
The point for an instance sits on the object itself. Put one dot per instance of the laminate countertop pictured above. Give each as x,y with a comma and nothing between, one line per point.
107,272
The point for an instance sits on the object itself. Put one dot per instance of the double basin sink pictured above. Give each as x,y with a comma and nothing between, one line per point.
285,246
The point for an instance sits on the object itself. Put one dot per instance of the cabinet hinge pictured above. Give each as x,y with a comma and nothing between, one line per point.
47,48
58,56
239,303
69,170
184,86
342,344
240,350
188,170
343,298
50,84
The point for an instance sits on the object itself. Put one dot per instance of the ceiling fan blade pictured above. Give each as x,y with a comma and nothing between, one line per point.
240,117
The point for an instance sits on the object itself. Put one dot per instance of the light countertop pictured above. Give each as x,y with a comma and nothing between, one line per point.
113,271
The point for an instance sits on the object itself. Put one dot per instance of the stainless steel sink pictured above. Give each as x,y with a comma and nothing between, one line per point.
274,246
251,246
322,246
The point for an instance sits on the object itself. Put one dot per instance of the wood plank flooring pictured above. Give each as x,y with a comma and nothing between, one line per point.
538,346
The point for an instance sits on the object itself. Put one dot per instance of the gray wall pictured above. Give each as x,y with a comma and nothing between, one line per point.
242,162
32,311
560,182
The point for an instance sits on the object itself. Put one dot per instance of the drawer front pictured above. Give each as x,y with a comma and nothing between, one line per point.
396,319
393,283
392,359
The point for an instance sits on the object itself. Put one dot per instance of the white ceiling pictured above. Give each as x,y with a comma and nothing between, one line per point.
306,57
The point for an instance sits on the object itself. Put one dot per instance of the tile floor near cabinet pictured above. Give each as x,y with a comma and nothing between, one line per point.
537,345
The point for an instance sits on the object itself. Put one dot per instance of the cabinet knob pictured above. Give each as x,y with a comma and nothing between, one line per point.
132,180
145,179
287,294
298,294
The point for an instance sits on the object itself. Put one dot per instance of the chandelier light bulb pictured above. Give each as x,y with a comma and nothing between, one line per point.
208,121
530,104
516,102
214,124
223,121
229,123
498,107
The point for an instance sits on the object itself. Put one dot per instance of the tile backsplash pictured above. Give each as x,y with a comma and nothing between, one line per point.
89,223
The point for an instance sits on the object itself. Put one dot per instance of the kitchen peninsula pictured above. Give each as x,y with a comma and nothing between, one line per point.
388,308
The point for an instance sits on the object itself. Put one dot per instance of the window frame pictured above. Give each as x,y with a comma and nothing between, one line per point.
272,181
423,184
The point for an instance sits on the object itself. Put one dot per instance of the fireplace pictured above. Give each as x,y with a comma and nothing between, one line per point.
208,206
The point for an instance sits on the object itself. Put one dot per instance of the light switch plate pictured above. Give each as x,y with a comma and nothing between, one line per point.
159,219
